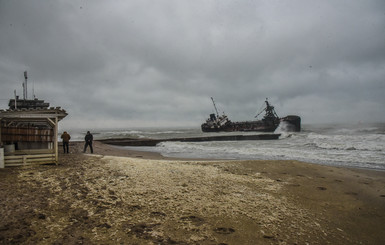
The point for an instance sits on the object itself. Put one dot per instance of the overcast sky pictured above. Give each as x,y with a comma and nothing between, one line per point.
157,63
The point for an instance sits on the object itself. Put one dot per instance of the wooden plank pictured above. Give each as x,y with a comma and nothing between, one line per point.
29,161
41,160
12,157
29,157
14,161
14,164
52,123
41,156
30,152
21,164
2,162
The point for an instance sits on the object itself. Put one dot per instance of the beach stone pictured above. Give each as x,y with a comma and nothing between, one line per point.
41,216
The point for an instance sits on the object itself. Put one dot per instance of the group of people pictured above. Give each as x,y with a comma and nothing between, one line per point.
88,142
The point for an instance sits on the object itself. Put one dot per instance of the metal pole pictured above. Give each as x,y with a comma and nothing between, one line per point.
56,143
26,88
2,164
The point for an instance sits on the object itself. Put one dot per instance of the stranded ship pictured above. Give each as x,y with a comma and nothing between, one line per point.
269,122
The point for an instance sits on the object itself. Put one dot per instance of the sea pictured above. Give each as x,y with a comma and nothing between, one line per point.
348,145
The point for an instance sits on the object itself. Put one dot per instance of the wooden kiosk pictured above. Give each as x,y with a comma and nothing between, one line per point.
29,135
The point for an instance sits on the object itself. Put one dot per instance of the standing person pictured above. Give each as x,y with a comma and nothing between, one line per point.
66,140
88,138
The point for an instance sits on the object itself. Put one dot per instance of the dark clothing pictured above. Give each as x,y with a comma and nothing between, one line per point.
86,145
88,140
66,139
65,147
88,137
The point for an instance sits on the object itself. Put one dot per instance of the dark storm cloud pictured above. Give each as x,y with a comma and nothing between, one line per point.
133,63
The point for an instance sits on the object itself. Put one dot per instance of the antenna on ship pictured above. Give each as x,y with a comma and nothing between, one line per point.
33,89
261,110
25,88
215,106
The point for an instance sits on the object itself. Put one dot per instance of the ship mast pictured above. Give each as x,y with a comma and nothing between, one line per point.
215,107
270,112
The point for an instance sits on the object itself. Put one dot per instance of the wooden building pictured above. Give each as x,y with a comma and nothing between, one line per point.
29,135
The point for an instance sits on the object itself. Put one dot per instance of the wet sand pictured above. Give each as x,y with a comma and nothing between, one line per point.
116,196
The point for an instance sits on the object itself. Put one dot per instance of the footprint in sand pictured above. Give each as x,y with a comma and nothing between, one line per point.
158,214
142,229
294,185
268,236
193,219
351,193
224,230
134,208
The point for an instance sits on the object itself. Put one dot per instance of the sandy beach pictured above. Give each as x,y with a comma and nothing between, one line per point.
116,196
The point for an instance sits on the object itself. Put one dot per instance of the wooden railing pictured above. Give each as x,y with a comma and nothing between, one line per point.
28,157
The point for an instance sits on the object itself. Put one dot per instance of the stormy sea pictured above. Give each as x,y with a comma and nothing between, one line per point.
355,145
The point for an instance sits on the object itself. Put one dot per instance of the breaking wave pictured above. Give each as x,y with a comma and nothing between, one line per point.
361,146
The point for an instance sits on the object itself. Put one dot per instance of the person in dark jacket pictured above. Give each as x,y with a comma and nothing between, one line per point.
88,138
66,140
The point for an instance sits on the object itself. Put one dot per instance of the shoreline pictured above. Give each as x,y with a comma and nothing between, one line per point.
120,196
157,155
115,150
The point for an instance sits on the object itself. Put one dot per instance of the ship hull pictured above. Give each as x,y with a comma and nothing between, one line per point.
293,123
269,123
248,126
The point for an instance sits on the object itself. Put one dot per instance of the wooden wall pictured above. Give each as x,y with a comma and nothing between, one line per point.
26,134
